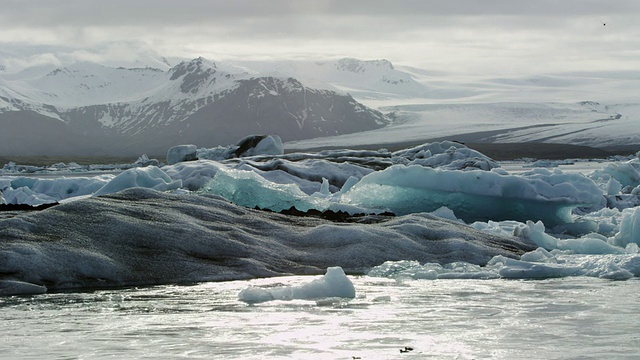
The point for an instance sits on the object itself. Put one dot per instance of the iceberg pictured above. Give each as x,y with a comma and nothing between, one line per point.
477,195
629,228
537,264
181,153
39,191
334,284
246,188
252,145
194,220
141,236
150,177
446,155
627,173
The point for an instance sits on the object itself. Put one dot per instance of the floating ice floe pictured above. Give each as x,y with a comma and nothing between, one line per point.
247,188
39,191
538,264
334,284
623,229
62,168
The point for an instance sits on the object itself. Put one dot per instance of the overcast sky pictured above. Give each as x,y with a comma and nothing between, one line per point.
493,37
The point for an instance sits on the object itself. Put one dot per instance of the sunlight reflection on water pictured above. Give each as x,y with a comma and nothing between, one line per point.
450,319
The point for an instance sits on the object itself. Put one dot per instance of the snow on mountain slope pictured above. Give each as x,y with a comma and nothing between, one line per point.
147,109
216,101
85,83
262,104
604,87
363,79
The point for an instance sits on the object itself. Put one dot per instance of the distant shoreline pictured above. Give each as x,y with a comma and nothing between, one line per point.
496,151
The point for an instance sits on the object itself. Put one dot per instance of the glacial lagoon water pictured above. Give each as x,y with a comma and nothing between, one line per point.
564,318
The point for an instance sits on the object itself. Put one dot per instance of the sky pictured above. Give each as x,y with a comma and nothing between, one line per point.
487,37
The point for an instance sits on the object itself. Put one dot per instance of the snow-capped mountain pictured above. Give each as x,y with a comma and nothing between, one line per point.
149,110
363,79
308,103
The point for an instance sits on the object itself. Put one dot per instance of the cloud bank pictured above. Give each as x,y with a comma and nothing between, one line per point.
463,36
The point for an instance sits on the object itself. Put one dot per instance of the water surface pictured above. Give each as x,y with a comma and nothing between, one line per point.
579,318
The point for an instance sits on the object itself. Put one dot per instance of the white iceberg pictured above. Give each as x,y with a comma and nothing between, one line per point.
334,284
150,177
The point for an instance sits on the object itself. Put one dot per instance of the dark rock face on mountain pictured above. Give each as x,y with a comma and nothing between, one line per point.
196,102
277,106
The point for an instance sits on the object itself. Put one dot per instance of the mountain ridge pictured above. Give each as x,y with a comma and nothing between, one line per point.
149,110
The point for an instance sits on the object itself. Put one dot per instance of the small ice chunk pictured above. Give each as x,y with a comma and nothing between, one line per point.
632,249
539,255
334,284
445,213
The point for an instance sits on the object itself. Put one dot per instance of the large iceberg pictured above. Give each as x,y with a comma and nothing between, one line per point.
476,195
472,195
141,236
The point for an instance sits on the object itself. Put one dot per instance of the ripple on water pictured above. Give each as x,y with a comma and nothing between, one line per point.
445,319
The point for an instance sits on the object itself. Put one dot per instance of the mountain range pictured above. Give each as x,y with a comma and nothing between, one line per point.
93,109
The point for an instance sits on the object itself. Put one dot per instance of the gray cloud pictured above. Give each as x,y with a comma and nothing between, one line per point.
198,12
460,35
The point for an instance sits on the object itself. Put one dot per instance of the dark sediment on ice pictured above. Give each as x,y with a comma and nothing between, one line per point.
144,237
